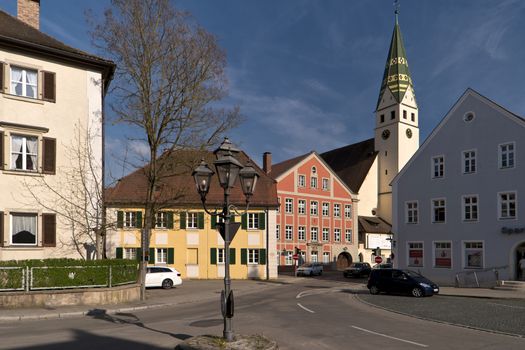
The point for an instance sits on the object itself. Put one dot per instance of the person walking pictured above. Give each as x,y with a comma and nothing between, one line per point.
522,266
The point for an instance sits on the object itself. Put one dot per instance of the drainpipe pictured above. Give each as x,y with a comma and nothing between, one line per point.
267,244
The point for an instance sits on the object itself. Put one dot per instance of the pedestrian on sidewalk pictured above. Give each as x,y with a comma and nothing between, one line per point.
522,266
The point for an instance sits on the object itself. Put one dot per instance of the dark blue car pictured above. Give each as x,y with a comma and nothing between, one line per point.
396,281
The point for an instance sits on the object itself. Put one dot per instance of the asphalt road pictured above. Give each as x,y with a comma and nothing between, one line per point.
313,314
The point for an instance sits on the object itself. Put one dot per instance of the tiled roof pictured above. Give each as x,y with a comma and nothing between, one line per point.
282,167
372,224
352,163
177,187
15,33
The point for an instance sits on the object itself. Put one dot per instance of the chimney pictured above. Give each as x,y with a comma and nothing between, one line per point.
267,162
29,12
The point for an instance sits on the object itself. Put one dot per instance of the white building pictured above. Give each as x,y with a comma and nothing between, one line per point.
458,200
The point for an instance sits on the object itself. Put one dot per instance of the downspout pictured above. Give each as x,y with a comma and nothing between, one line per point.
102,232
267,244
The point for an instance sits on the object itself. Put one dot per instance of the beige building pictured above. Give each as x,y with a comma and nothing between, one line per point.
51,98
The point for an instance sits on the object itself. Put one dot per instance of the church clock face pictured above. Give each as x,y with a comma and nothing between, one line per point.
385,134
409,133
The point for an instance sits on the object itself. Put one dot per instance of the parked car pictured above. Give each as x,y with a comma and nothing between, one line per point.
383,266
357,269
310,269
397,281
165,277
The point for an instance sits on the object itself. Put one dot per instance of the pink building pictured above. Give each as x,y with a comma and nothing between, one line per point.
318,212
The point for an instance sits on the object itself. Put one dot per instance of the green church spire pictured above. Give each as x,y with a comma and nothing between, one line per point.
397,75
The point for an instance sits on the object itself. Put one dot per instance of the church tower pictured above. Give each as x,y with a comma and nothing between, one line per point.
396,136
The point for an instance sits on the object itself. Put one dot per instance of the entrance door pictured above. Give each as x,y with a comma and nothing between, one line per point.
520,254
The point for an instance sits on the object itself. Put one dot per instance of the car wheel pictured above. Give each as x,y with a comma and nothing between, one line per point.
374,290
167,283
311,273
417,292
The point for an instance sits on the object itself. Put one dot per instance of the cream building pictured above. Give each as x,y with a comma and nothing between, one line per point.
51,95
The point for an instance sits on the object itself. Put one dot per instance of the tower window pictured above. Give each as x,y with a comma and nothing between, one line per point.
386,153
382,118
404,114
413,117
386,171
393,115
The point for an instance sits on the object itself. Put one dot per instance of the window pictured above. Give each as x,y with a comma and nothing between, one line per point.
130,219
326,234
470,208
404,114
325,184
24,152
301,207
253,256
413,117
277,232
301,182
469,162
288,205
24,82
326,210
130,253
313,182
337,234
313,257
506,155
348,211
288,233
443,254
438,167
438,210
313,208
193,220
382,118
415,254
412,215
161,256
301,232
326,257
24,229
348,235
313,234
337,210
288,258
253,221
314,170
279,206
473,255
220,256
507,205
392,115
161,219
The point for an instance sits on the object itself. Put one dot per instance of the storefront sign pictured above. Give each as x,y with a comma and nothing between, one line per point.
510,230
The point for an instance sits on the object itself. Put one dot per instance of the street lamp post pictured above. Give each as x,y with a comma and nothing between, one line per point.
228,170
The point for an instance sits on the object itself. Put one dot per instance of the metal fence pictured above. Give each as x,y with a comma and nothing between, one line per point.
482,278
12,278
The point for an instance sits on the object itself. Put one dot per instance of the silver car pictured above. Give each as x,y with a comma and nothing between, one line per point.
310,269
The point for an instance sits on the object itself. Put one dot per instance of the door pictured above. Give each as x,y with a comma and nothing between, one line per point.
192,262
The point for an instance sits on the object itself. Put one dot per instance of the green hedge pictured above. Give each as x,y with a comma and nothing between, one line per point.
11,279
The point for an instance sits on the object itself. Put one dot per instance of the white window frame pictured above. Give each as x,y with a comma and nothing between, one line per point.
314,234
337,235
314,208
301,207
313,181
412,212
220,256
192,220
348,235
161,255
325,234
301,180
253,256
161,220
288,233
288,205
25,84
438,163
326,209
348,211
469,161
501,202
253,221
11,228
25,153
465,255
465,206
435,255
288,258
422,249
502,152
325,184
326,257
130,219
301,233
433,210
314,257
277,231
130,253
337,210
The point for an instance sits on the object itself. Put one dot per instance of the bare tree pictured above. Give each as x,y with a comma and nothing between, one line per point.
168,84
75,196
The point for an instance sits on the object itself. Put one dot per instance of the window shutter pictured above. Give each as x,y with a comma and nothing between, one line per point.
244,256
171,256
138,224
213,222
244,221
49,156
262,256
232,255
151,259
49,86
183,221
49,230
2,65
213,256
139,254
262,221
119,254
200,220
1,147
169,219
120,219
1,228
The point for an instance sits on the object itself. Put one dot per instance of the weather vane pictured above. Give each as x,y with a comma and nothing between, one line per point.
396,7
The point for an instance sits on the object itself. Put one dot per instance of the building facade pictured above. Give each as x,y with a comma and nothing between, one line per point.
457,202
317,217
49,93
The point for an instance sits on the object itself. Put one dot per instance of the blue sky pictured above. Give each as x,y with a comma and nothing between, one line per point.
307,73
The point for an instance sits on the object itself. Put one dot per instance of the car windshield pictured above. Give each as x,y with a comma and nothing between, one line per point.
307,265
356,265
412,273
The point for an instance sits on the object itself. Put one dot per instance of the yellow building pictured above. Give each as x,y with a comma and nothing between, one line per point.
185,237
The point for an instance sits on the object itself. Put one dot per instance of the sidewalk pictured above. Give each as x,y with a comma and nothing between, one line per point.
204,290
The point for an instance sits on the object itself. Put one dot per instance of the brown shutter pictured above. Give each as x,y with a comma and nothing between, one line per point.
49,87
1,228
49,156
1,150
2,65
49,230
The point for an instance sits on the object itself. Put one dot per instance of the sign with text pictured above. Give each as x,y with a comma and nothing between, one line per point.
375,240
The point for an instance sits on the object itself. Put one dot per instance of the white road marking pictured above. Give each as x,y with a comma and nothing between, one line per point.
305,309
512,307
390,337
